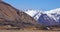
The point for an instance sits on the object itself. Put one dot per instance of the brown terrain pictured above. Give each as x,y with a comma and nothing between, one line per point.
14,20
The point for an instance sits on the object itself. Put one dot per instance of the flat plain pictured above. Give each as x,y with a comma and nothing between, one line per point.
29,31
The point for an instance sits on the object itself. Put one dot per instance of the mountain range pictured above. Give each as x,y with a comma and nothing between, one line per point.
28,19
46,18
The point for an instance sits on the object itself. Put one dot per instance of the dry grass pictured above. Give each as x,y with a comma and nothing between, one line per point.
2,29
27,31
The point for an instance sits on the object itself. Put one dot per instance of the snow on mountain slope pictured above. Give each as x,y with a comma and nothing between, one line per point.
31,12
46,18
55,14
34,13
54,11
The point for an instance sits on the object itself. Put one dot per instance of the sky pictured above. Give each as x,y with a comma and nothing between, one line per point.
45,5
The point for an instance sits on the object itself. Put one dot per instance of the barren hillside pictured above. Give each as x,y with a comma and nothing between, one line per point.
14,17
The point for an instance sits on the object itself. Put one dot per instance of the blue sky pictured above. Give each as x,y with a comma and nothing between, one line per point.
35,4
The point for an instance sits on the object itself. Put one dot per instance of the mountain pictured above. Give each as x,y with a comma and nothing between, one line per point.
46,18
34,13
55,14
14,17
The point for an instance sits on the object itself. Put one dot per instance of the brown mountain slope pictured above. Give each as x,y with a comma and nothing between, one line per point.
12,16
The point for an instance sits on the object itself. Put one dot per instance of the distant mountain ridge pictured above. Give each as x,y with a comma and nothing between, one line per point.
47,18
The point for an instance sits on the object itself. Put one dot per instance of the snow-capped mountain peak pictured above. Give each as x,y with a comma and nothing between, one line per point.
51,17
33,13
55,14
54,11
